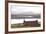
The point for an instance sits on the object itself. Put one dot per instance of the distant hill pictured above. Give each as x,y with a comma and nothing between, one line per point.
21,16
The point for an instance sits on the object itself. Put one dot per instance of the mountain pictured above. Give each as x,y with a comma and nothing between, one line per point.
25,15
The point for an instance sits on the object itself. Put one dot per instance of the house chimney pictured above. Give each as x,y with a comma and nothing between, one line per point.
24,20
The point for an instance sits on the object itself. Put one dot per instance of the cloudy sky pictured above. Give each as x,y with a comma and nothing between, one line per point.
17,8
25,9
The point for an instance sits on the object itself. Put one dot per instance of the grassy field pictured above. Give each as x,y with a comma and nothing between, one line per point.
14,26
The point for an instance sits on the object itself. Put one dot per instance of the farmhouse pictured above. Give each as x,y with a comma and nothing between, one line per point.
31,23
